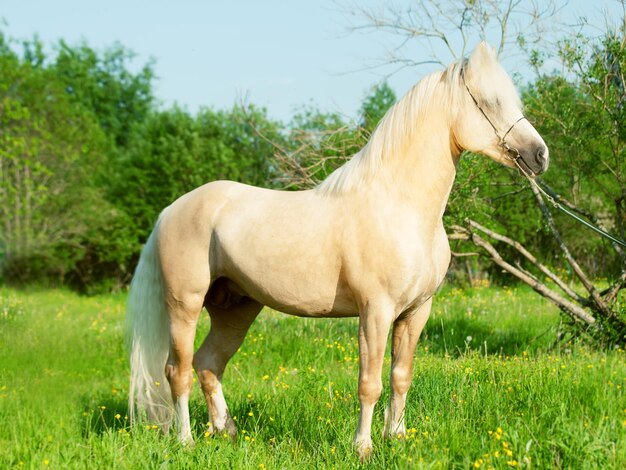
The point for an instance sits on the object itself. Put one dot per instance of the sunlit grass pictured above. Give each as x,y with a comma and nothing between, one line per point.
490,389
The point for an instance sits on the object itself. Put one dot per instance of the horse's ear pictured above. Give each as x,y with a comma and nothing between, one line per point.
483,54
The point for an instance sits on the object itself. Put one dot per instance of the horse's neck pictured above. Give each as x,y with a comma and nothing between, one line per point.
422,168
409,158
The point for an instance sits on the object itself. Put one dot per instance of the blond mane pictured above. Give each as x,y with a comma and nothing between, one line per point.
398,125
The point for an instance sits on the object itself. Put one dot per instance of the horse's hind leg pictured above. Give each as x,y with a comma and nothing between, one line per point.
178,369
406,332
229,326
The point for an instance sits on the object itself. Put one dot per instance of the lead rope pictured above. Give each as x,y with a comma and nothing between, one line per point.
564,209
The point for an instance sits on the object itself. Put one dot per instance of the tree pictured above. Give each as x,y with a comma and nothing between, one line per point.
49,154
321,142
375,105
172,152
427,32
103,84
580,119
584,121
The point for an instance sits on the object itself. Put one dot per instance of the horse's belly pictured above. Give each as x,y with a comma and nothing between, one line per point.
298,280
302,295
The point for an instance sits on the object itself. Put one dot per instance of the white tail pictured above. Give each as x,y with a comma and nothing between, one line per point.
148,339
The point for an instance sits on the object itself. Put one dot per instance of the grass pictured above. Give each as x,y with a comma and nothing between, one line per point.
488,391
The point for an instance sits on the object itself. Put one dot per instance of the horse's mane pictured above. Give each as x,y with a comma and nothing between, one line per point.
395,128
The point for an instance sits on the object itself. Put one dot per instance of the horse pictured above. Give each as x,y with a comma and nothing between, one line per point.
368,241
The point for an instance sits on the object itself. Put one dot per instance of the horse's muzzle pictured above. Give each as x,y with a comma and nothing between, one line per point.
534,160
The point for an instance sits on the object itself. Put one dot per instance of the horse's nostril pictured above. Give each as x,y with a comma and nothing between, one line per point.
541,152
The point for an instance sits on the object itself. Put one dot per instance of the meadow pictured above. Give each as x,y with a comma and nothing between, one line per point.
491,389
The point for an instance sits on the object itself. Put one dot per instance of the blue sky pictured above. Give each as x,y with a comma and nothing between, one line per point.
276,53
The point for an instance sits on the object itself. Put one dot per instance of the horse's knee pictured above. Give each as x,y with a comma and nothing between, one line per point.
400,380
370,390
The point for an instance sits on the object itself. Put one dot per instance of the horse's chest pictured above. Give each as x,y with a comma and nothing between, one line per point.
409,269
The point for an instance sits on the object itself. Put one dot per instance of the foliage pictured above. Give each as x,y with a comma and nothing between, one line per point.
171,152
321,142
102,84
79,200
87,161
49,153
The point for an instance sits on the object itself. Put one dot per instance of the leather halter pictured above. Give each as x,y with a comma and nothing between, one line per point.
511,152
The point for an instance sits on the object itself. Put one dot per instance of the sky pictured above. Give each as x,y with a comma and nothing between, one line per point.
274,53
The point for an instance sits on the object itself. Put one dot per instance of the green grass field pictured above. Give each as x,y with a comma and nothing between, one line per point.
489,391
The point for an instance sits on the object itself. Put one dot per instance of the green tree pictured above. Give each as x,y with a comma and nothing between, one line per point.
49,154
172,152
320,142
103,84
375,105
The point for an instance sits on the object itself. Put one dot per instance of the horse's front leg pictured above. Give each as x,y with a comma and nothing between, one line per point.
374,324
406,332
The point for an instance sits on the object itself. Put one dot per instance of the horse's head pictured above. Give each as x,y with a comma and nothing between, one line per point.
490,119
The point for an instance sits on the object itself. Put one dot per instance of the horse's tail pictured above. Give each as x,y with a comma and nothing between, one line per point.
148,339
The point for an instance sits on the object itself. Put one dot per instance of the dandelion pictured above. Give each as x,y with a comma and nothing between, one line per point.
46,462
512,463
118,416
250,413
206,434
102,407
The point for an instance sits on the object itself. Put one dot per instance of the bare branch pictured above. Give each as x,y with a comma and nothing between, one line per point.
449,28
529,256
599,304
575,312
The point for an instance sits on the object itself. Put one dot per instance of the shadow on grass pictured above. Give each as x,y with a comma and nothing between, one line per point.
103,414
457,336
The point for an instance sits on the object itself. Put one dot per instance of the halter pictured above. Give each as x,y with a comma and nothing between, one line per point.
511,152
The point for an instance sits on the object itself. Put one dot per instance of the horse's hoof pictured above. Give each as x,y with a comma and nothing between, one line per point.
398,434
188,442
229,430
364,449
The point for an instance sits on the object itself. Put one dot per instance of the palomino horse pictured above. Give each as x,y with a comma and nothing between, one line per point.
368,242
